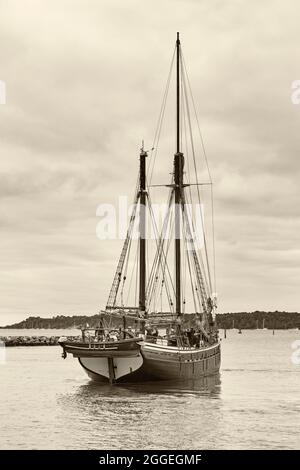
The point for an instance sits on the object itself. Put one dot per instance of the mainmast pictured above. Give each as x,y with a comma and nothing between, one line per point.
142,196
178,183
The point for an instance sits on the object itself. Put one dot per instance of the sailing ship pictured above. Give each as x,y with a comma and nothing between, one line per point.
146,342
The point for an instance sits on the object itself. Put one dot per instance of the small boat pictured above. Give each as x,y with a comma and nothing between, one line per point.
166,342
108,354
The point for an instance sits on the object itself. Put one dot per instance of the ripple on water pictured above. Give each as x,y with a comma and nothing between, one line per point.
254,403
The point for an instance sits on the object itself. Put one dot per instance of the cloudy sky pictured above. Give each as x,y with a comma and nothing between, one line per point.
84,83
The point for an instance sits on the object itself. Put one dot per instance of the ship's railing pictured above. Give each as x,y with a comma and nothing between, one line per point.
178,341
107,335
163,343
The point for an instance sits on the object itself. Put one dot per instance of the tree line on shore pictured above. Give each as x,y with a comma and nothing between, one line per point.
242,320
259,319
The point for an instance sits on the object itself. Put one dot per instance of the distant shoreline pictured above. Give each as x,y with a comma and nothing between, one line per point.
277,320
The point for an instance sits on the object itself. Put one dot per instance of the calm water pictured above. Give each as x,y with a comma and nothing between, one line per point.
47,402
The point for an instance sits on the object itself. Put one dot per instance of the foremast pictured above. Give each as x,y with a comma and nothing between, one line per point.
140,197
142,240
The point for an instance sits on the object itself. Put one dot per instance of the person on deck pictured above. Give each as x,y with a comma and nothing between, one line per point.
155,334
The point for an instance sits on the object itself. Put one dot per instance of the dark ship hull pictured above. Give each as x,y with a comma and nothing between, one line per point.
155,362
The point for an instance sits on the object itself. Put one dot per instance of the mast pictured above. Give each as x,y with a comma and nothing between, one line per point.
178,94
142,224
178,181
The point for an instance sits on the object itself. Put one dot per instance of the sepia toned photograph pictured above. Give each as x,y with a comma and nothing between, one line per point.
150,219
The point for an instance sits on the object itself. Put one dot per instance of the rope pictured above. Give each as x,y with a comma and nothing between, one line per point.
188,195
160,253
131,278
196,176
208,170
160,121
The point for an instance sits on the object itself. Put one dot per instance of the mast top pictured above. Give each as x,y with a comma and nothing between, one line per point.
178,40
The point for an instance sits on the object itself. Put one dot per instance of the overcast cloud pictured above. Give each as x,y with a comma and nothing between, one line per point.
84,83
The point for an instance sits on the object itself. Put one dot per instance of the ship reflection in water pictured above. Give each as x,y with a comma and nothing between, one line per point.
205,386
161,414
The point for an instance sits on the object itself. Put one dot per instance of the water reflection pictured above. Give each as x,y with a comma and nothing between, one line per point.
93,393
210,385
144,414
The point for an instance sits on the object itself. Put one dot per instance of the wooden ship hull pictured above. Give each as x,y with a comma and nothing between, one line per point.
154,362
169,363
